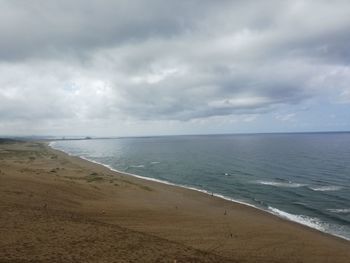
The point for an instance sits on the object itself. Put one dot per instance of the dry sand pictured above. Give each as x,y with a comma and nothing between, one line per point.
58,208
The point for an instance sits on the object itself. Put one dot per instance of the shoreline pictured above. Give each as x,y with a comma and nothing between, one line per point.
61,208
203,191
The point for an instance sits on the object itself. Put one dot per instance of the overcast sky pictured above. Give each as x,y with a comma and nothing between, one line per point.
126,67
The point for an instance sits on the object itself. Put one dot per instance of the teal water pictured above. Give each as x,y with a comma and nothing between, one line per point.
302,177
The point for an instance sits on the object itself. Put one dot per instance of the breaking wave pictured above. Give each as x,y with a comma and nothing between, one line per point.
340,211
280,184
326,188
312,222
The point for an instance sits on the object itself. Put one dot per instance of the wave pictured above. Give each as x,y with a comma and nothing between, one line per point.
155,162
324,214
340,210
312,222
326,188
280,184
137,166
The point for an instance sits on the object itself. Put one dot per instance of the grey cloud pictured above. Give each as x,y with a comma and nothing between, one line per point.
78,61
50,28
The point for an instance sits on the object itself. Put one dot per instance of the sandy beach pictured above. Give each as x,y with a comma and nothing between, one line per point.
59,208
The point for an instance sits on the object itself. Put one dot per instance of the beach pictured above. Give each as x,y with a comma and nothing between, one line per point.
60,208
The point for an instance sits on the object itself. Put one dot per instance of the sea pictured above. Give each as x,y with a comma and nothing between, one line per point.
303,177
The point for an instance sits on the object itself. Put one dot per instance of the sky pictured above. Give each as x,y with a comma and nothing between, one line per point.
159,67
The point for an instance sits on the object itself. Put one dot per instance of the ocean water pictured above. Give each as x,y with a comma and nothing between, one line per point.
302,177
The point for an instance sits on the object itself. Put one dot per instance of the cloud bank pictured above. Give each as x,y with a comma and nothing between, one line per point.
75,67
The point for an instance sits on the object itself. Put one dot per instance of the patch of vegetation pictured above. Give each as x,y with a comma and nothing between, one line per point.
8,141
127,182
74,178
93,178
143,187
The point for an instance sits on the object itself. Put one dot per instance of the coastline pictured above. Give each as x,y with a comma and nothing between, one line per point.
278,214
174,223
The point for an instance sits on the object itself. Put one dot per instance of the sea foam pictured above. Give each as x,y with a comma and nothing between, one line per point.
280,184
326,188
340,210
137,166
301,219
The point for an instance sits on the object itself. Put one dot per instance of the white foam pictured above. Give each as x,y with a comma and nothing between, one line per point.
326,188
137,166
155,162
340,211
280,184
301,219
312,222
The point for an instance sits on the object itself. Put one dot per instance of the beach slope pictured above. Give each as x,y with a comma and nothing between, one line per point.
59,208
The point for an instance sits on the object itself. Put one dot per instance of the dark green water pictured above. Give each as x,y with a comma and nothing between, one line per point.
302,177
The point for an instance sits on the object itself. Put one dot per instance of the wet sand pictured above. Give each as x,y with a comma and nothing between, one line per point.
58,208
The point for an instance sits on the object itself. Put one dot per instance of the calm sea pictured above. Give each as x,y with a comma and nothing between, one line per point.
302,177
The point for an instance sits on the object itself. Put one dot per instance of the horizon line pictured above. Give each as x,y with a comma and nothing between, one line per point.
86,137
